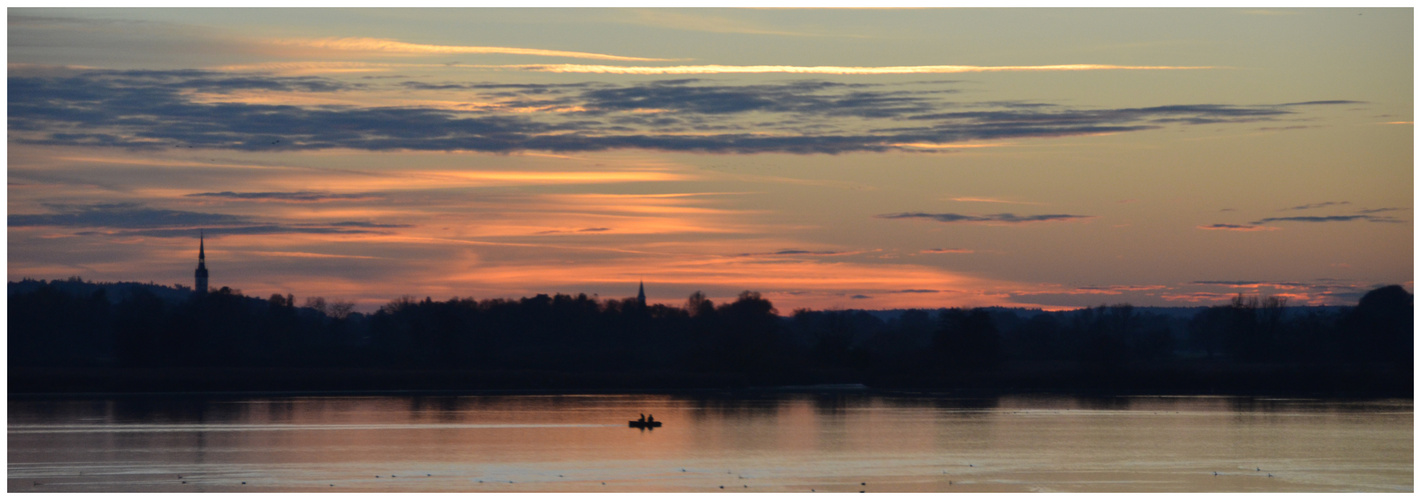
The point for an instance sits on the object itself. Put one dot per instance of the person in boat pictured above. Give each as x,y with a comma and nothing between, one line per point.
650,419
642,420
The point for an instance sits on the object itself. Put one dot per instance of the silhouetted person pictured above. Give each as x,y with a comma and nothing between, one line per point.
642,419
650,419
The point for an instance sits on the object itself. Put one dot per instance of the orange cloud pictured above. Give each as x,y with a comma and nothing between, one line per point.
311,67
383,46
315,67
575,214
977,199
793,283
359,181
933,145
1196,297
822,70
531,177
309,255
1094,290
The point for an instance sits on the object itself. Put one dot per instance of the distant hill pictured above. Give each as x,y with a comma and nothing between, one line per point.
115,292
1026,313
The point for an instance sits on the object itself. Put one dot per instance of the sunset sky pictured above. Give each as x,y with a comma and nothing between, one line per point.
846,158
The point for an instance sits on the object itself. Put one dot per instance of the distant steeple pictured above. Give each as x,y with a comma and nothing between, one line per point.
641,293
201,274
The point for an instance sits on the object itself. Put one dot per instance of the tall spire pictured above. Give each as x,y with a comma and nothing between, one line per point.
641,293
200,275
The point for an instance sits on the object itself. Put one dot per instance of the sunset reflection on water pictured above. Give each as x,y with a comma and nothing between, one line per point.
770,442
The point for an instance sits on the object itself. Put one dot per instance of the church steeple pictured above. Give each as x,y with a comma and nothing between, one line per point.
641,293
200,287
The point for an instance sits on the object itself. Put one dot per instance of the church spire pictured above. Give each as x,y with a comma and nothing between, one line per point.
200,275
641,293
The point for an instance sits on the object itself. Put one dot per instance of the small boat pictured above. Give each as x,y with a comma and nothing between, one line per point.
643,425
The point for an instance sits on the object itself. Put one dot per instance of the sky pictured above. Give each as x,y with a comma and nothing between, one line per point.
825,158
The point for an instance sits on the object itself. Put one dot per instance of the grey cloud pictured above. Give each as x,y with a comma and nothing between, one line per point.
1329,218
947,250
524,88
136,219
155,113
806,97
1006,218
1317,103
122,215
1318,205
1194,114
241,230
153,109
1124,288
1237,227
1378,210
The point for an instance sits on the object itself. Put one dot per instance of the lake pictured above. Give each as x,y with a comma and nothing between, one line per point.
838,441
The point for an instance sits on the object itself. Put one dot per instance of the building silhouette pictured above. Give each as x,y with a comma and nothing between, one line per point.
201,273
641,294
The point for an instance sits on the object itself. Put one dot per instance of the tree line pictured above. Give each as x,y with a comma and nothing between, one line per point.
1250,344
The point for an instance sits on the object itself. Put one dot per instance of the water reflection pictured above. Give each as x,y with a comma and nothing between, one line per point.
836,404
827,441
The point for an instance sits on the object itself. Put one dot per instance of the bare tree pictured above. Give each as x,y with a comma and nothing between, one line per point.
317,303
339,309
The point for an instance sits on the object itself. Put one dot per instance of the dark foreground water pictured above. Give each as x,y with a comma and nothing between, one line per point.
779,443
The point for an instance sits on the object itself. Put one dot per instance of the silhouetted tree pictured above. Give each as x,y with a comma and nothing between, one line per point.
698,305
70,323
967,341
1380,328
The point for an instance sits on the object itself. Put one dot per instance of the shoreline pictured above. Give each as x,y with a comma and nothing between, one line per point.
57,383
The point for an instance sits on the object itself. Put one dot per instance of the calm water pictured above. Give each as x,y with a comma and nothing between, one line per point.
779,443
